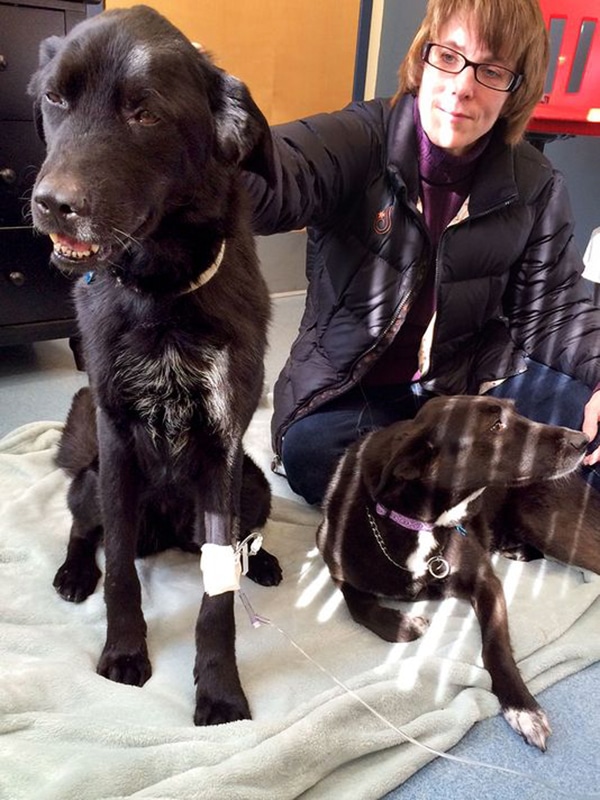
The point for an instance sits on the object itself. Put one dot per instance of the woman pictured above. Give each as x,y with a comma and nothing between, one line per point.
440,257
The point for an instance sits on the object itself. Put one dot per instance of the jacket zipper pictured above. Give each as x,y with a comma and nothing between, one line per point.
418,217
351,382
334,392
438,258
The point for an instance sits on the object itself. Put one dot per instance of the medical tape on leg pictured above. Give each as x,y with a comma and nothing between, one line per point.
222,565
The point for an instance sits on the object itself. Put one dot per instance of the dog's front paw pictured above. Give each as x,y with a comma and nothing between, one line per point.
210,711
76,582
531,724
395,626
411,628
521,552
133,669
263,568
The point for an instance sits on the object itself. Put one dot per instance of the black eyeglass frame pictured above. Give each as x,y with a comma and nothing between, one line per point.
517,77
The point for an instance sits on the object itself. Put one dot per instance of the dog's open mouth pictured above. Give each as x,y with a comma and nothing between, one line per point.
72,252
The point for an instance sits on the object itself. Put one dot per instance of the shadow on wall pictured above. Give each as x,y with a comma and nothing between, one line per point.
282,261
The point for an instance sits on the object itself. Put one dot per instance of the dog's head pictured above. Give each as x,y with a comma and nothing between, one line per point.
458,445
138,125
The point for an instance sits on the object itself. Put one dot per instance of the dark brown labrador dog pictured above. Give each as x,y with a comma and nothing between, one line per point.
140,192
414,511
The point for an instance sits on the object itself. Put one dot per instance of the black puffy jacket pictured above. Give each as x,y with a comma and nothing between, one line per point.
507,274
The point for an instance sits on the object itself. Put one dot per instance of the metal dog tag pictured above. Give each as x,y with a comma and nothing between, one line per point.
438,567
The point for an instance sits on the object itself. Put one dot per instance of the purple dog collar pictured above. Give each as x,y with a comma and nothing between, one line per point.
412,524
404,522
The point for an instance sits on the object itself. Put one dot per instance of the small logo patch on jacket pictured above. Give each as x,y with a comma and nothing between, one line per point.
383,220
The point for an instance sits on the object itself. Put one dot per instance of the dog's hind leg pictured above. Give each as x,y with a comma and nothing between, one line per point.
388,623
264,568
78,576
219,694
255,507
519,707
562,519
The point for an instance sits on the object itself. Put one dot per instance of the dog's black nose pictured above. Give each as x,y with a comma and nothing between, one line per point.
579,441
590,446
60,199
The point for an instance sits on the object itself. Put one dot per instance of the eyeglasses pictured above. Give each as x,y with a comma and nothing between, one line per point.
491,75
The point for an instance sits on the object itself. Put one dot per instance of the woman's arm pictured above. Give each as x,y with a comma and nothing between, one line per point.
547,304
321,163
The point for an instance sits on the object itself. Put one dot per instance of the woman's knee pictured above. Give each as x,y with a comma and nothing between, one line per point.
309,455
313,445
546,395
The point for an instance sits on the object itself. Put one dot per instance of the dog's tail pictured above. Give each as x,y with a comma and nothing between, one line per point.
78,449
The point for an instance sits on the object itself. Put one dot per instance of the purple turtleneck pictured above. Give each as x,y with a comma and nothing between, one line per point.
445,179
445,182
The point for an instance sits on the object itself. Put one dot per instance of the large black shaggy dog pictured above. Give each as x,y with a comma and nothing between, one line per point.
140,192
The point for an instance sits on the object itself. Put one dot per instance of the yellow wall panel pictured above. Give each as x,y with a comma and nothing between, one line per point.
297,57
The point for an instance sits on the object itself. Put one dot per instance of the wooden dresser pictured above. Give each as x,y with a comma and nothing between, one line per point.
35,299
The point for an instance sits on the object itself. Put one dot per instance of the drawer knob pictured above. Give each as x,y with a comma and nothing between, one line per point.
3,63
8,175
17,278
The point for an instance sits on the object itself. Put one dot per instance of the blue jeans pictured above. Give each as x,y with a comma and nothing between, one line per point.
313,445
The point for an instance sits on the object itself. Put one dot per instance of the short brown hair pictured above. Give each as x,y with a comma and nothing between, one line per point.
512,29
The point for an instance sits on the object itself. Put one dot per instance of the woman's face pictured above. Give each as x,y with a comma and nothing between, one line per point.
455,109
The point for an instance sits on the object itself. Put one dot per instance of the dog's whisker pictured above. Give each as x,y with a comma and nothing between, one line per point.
123,239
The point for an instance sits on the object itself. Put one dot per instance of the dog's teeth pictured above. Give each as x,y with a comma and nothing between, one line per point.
62,249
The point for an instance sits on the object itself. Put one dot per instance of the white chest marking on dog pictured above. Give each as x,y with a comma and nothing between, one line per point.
165,390
436,566
455,515
421,559
418,561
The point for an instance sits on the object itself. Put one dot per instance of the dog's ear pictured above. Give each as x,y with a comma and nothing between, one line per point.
406,457
243,133
48,49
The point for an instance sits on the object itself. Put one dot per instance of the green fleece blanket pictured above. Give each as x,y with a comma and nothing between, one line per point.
313,678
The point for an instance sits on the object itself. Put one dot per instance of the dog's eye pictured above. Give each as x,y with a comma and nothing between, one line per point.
55,99
144,117
498,426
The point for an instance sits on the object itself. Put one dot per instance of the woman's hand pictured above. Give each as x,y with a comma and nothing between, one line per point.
591,417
